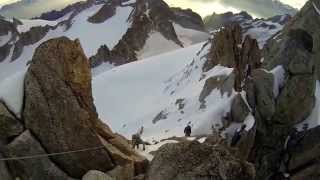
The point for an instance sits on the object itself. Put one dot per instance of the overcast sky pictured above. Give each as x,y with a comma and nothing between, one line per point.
258,8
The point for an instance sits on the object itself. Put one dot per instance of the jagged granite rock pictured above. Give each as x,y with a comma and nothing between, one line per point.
239,109
296,100
228,50
102,55
193,160
35,168
259,91
308,20
59,107
293,53
96,175
147,16
224,48
216,21
9,125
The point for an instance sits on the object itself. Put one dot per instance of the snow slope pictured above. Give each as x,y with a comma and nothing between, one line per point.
133,95
91,36
156,44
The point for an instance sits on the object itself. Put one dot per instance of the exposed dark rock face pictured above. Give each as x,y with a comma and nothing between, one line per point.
54,15
9,125
36,168
292,109
6,27
229,50
188,19
106,12
5,51
32,36
223,83
216,21
292,49
58,101
148,16
193,160
102,55
224,49
260,95
307,20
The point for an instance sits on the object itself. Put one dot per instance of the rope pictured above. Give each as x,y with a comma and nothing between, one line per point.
50,154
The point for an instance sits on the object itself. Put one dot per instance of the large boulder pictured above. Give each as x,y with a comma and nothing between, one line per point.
307,20
260,96
96,175
31,168
193,160
292,109
9,125
59,107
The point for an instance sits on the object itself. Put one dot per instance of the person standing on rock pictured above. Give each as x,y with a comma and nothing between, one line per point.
187,130
237,135
137,140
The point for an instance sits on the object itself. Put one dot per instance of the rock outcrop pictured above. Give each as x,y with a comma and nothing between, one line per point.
229,50
96,175
58,101
307,20
59,116
10,126
34,168
193,160
106,12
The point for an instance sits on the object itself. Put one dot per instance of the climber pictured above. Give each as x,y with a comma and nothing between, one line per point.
187,130
237,135
291,142
137,140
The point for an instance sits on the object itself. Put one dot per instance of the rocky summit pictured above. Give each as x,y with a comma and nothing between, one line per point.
142,90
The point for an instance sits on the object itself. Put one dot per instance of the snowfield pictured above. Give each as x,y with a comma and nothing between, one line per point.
134,95
92,36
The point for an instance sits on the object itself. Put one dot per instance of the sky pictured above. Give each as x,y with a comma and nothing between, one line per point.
258,8
3,2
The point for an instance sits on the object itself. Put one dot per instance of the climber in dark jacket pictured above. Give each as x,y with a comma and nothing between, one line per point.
237,136
187,130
